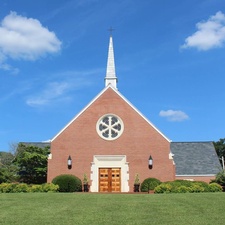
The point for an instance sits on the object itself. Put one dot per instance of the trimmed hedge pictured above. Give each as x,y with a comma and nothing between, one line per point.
149,184
50,187
68,183
184,186
7,187
179,186
163,188
23,188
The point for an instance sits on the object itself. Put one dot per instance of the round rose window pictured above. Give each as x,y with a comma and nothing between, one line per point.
109,127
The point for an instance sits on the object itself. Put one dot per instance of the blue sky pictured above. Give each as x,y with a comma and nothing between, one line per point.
169,56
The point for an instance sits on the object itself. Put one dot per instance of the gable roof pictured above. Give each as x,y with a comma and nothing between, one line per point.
118,93
195,158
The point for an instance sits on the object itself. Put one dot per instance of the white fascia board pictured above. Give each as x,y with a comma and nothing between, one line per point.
84,109
135,109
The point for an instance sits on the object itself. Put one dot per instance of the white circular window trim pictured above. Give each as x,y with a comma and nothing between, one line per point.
110,127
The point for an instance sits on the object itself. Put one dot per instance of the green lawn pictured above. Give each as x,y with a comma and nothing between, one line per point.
128,209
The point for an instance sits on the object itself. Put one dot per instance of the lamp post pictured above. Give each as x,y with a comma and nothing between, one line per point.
69,162
150,162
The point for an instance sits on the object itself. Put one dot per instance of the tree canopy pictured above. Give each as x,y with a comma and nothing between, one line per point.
220,148
8,171
32,163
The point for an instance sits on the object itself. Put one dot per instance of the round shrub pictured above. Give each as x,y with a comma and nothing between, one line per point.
149,184
214,187
68,183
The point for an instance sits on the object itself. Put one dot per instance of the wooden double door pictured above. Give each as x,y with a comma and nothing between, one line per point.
109,179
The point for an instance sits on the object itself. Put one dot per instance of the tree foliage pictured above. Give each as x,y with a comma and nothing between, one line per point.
6,158
8,171
220,148
32,163
220,178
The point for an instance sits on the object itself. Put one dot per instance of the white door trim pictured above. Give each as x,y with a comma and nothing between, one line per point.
109,161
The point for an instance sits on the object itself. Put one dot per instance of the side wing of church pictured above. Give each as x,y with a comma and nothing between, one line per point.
111,142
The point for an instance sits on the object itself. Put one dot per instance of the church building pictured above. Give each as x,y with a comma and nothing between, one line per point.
111,141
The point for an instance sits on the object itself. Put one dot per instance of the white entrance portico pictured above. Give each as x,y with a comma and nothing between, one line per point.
109,161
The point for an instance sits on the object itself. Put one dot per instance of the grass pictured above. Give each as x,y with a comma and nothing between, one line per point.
110,209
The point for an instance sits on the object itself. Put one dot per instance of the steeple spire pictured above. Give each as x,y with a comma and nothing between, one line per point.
110,77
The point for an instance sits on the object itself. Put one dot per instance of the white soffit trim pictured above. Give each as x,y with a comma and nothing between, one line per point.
117,92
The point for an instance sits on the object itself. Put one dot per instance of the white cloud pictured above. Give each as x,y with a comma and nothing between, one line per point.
25,38
210,34
53,91
60,91
173,115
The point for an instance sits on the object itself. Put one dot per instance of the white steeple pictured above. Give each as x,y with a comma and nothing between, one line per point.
110,77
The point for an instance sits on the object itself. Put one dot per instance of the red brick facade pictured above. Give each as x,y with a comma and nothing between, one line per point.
138,141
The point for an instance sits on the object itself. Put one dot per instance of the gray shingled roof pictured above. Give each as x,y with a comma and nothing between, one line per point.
37,144
195,158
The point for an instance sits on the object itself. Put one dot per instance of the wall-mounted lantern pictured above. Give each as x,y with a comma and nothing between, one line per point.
150,162
69,162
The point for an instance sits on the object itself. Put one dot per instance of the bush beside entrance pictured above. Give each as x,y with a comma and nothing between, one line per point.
68,183
149,184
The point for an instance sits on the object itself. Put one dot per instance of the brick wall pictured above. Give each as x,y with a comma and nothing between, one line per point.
138,141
